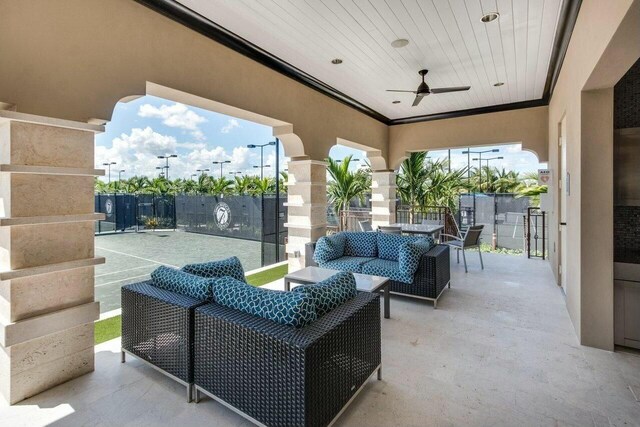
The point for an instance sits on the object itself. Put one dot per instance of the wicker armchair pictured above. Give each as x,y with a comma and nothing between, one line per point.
279,376
157,328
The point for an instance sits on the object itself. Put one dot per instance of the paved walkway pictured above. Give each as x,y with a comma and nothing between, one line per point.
131,257
499,351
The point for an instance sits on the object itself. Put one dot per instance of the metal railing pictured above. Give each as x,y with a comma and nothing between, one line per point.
350,219
535,221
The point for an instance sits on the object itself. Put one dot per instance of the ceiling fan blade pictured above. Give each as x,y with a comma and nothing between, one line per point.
408,91
450,89
417,100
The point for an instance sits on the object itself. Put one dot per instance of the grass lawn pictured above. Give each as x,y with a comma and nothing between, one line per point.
110,328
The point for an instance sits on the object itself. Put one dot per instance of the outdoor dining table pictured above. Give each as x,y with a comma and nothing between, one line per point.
432,230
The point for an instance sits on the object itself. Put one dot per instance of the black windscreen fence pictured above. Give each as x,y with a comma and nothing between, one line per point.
230,216
503,217
240,217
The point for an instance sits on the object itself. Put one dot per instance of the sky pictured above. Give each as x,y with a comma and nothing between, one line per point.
148,127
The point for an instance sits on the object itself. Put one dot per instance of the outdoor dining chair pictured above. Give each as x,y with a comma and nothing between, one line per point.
471,239
365,226
390,229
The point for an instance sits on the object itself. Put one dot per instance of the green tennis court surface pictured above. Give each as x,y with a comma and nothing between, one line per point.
131,257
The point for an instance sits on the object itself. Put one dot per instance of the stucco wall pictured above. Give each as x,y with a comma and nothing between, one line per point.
603,46
74,59
527,126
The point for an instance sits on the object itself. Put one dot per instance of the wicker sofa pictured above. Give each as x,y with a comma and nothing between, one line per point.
364,254
270,373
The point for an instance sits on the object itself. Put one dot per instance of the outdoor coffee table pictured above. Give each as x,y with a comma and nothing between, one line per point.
364,282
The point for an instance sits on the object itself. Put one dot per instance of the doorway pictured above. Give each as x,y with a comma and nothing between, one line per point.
563,186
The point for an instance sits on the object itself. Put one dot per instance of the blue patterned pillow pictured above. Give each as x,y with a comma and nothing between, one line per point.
180,282
360,243
330,293
329,248
411,252
214,269
286,308
389,245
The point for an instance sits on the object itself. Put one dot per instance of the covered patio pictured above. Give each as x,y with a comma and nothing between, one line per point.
526,342
500,350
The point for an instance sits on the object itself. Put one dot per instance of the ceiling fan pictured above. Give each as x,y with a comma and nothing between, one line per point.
424,90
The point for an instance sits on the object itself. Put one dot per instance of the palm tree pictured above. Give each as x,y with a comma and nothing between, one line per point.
529,187
220,186
410,181
262,186
443,186
100,186
345,185
242,185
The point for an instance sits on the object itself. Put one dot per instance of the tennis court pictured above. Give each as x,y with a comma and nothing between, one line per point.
131,257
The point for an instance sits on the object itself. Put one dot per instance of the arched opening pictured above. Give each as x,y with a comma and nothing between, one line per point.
188,180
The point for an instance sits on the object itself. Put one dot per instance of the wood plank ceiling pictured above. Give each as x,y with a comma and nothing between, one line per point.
445,36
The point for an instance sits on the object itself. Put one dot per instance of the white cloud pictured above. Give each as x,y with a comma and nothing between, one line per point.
231,123
191,145
198,134
137,153
175,116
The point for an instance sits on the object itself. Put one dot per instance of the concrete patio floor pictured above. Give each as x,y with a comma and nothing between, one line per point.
499,350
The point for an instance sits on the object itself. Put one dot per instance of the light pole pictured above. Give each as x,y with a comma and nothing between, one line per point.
262,154
108,165
120,172
221,163
192,175
167,157
161,168
261,167
352,160
486,160
203,171
480,153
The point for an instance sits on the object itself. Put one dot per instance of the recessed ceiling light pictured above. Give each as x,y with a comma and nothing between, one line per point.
400,43
491,16
336,61
396,102
498,84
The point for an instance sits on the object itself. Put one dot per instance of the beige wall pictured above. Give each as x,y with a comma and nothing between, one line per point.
604,44
74,59
527,126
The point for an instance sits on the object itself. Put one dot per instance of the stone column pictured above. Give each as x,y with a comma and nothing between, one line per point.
383,198
47,260
307,208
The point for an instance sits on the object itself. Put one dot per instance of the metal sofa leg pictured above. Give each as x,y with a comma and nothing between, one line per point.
458,255
464,258
197,395
189,393
380,373
122,356
480,253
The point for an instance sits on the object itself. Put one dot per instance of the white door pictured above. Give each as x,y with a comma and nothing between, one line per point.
563,188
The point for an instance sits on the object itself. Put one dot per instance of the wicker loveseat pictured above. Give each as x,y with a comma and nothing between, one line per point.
381,254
